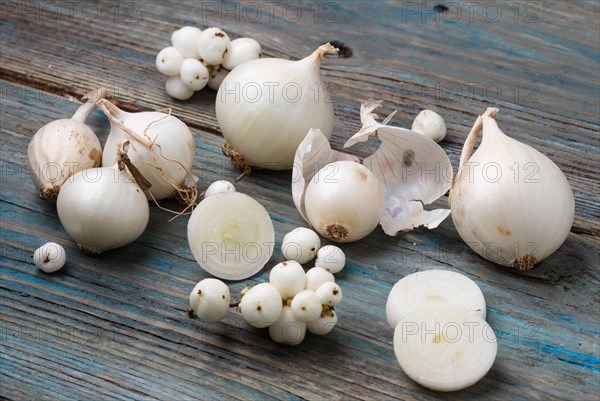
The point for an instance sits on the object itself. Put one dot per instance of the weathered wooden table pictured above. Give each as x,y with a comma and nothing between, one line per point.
114,326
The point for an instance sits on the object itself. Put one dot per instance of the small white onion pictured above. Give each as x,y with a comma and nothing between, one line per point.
344,202
209,300
218,187
168,61
162,148
177,89
287,329
213,45
102,208
50,257
186,40
430,124
331,258
261,305
300,245
194,74
324,324
240,51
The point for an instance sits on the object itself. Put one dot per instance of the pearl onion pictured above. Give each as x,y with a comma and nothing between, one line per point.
329,293
168,61
213,45
300,245
287,329
50,257
218,187
331,258
306,306
261,305
317,276
288,277
430,124
194,74
210,300
240,51
323,324
186,41
177,89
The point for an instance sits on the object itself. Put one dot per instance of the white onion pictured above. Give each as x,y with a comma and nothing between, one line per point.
162,148
510,203
265,107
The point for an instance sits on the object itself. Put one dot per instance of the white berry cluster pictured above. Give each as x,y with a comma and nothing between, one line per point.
291,303
202,58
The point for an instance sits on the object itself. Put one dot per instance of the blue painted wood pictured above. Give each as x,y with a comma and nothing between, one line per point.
114,326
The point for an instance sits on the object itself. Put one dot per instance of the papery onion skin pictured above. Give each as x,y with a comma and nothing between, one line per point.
63,147
265,108
102,208
510,203
344,201
169,159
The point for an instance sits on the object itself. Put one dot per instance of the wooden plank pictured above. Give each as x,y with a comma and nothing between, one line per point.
136,298
114,326
523,63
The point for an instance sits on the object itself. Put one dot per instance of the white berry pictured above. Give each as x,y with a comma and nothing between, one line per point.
261,305
306,306
287,329
194,74
430,124
218,187
186,41
288,277
323,324
213,45
301,245
210,300
168,61
329,293
240,51
177,89
317,276
331,258
215,79
50,257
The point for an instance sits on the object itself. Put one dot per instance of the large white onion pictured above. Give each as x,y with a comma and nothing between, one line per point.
510,203
265,107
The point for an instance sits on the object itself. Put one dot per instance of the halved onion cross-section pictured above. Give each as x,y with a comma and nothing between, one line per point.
231,235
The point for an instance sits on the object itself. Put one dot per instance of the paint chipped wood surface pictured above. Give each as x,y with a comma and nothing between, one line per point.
114,326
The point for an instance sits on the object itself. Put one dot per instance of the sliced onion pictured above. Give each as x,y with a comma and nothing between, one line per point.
445,347
231,235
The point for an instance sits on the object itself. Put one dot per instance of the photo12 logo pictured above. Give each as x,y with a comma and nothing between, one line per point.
269,11
70,11
470,11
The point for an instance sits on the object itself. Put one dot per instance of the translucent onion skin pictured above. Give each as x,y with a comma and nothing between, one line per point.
510,203
266,107
165,157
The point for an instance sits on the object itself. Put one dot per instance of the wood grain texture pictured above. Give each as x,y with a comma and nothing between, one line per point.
114,326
